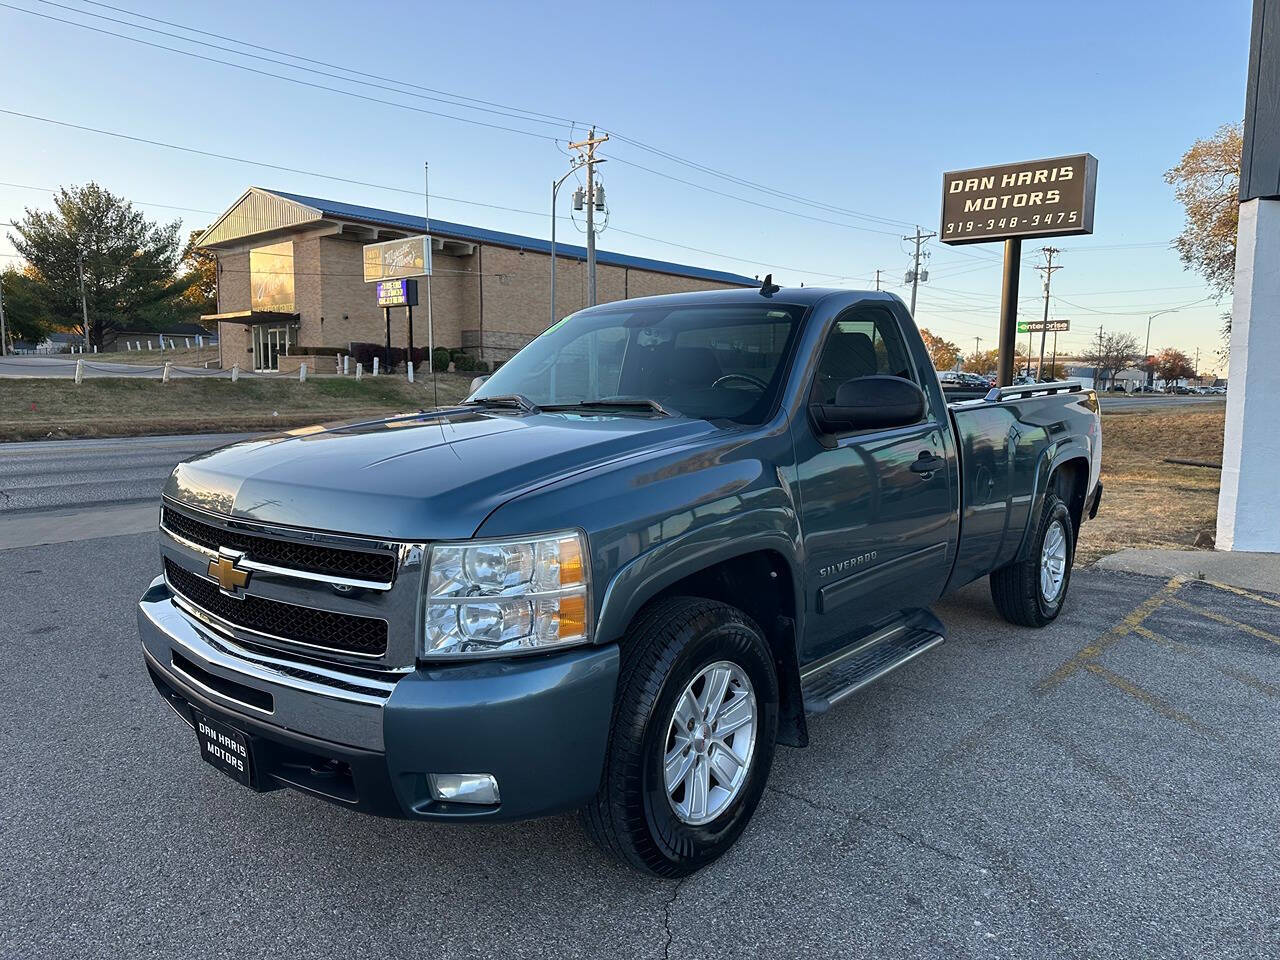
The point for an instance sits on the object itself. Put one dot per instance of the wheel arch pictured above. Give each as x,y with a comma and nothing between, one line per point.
1064,470
757,574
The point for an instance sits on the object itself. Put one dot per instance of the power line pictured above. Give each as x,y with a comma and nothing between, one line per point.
493,109
379,100
277,76
322,63
501,109
381,186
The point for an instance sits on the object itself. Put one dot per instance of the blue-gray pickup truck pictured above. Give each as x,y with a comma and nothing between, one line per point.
634,560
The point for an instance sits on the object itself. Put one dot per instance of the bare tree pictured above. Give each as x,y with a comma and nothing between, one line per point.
1109,354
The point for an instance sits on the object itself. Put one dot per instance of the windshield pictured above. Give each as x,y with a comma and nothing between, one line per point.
718,361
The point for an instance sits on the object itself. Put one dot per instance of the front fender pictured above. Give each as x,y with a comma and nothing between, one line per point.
669,561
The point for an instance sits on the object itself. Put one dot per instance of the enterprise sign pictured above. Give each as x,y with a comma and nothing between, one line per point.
1040,198
1043,326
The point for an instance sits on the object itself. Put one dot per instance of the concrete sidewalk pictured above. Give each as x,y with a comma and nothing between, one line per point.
1249,571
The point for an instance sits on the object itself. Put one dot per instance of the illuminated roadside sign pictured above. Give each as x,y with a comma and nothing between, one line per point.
1039,198
398,293
394,259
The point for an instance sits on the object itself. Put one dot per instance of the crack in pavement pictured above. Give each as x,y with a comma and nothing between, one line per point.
876,825
666,923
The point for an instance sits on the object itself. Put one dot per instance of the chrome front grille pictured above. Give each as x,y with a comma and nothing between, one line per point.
376,567
312,595
287,622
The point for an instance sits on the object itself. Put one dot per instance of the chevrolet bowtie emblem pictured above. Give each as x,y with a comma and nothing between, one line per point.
230,578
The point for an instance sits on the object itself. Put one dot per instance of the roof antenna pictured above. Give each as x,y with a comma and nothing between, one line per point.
768,288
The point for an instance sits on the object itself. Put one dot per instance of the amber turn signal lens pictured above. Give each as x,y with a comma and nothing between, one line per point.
573,616
571,572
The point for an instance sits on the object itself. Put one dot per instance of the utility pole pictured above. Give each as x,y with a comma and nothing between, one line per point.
84,304
594,200
913,275
877,280
431,333
1099,358
4,334
1048,268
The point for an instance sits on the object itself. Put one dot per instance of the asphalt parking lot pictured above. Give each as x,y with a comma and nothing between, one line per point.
1105,787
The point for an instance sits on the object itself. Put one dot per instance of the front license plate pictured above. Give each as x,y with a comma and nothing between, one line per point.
226,748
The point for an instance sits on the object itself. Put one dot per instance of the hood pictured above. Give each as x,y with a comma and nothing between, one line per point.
419,477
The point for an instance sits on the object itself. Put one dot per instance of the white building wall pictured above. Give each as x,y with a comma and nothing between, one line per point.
1248,505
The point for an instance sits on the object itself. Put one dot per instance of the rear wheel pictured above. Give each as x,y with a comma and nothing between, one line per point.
1030,592
693,737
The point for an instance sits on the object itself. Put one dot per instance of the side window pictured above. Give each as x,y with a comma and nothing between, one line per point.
867,343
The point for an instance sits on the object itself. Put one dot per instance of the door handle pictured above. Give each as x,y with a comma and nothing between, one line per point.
927,464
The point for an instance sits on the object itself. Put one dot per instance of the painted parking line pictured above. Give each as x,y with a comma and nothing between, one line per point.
1090,652
1134,624
1240,591
1248,679
1227,621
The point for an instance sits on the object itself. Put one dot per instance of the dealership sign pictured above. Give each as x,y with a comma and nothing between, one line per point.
1044,326
398,293
395,259
1040,198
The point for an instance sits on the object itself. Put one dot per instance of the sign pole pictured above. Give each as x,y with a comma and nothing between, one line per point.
1009,311
386,357
410,309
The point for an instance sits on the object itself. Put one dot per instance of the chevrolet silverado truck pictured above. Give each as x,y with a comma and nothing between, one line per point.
644,552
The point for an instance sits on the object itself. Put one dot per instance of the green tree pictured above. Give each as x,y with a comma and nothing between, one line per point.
25,316
1206,182
943,353
201,277
130,263
1171,364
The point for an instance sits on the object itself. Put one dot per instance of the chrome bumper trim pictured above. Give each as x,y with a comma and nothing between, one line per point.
345,708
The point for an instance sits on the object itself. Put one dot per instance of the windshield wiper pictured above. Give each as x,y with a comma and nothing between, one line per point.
518,400
615,403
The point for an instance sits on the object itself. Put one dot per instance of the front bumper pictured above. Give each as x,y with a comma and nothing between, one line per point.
539,725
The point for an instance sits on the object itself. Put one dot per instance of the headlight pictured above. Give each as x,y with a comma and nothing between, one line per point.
503,595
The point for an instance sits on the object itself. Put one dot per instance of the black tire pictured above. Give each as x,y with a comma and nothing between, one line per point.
666,647
1016,588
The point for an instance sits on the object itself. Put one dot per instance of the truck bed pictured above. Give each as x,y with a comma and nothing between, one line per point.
1000,437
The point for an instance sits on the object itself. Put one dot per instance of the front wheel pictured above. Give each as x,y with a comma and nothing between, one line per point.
693,737
1030,592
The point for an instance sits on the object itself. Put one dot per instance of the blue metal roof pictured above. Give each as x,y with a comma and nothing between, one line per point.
461,231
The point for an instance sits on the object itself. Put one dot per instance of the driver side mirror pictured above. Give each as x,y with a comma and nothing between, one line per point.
867,403
478,382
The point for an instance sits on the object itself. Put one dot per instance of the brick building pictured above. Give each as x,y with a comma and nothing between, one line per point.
290,281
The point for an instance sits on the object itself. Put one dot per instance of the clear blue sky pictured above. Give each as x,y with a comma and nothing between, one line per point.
858,105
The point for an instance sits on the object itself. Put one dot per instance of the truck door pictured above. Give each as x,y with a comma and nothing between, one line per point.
876,511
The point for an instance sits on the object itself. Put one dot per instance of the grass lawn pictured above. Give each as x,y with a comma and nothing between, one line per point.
32,409
1147,502
195,357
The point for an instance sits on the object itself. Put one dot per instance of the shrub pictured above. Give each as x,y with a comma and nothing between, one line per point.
440,359
464,363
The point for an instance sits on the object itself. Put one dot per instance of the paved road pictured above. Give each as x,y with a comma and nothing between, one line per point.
1150,401
87,474
1105,787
